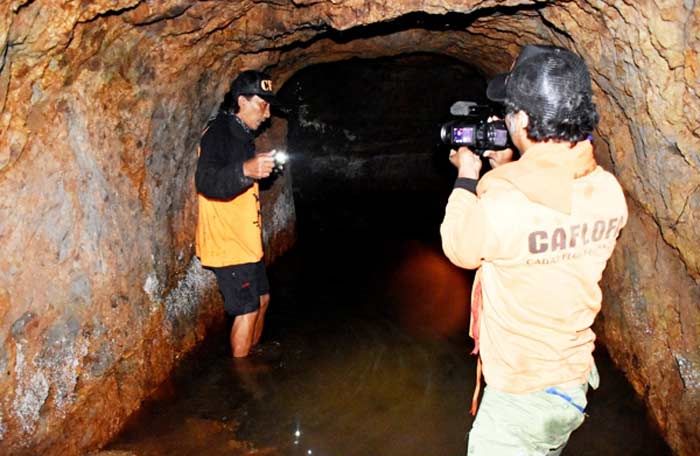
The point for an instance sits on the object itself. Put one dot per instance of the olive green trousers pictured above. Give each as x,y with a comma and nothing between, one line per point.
533,424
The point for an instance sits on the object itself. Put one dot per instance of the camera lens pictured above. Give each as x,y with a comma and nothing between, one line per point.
445,134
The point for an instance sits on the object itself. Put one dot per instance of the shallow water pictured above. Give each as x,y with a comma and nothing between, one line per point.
365,353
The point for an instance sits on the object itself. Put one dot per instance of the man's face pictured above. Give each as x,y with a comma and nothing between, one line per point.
254,111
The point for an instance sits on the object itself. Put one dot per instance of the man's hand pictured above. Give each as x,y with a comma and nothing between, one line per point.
467,162
259,166
499,157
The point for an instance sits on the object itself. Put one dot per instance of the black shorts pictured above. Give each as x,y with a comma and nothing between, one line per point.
242,285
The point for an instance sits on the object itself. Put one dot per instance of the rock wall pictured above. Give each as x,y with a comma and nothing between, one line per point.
277,199
650,326
102,104
645,63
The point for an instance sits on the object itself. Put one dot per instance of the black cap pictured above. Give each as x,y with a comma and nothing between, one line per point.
547,81
496,90
251,82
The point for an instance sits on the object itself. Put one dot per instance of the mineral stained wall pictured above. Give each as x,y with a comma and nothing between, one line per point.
101,107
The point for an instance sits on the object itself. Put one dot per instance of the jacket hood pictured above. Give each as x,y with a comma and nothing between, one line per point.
545,173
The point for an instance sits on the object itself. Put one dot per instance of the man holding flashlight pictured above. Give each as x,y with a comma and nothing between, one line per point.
540,231
229,224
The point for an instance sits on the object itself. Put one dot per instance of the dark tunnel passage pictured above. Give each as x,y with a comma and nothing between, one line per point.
366,347
364,137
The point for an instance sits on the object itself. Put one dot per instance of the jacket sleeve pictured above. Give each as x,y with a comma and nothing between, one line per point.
464,230
219,172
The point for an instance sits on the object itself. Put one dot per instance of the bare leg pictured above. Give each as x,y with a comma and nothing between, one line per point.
264,302
242,333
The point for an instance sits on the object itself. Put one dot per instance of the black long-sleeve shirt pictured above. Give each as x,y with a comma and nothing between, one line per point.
224,147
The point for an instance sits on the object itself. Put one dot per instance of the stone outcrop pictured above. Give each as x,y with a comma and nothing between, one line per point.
101,107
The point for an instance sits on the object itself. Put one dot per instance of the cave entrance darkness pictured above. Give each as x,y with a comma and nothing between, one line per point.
365,346
364,139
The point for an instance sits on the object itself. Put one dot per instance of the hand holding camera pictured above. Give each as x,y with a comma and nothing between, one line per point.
468,163
475,133
475,128
499,157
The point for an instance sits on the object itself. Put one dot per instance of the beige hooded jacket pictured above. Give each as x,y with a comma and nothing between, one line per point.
540,230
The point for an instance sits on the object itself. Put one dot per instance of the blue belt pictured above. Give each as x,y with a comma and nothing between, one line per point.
566,397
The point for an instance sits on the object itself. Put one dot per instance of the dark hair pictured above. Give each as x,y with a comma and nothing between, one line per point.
578,126
554,88
230,103
248,83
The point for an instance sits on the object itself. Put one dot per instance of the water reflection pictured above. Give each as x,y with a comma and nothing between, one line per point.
363,355
429,295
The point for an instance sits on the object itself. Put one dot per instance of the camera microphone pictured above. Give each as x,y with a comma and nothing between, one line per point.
463,108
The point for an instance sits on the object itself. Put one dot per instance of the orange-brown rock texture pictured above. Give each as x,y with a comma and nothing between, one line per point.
101,106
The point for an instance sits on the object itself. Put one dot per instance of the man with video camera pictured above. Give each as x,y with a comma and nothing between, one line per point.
540,231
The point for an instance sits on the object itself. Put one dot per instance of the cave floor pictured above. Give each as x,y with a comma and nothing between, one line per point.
365,353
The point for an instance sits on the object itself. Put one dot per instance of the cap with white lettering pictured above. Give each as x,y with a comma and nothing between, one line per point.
251,82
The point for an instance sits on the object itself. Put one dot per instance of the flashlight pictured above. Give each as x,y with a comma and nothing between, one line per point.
281,158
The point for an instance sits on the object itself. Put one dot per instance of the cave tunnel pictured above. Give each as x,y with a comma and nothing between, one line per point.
364,137
106,315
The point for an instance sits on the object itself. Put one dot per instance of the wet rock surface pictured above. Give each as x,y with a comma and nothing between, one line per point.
101,107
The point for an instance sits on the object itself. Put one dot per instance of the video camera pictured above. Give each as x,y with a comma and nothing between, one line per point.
472,128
